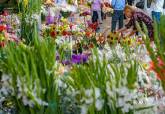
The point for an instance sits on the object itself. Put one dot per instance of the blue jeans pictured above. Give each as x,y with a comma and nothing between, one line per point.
156,16
118,16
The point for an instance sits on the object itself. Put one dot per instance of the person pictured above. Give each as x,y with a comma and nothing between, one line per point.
137,15
96,11
118,16
130,2
157,9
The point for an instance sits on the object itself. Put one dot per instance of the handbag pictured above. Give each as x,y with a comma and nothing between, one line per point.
140,4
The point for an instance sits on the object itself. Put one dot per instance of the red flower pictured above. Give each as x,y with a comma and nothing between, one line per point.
64,33
2,28
2,44
53,34
71,25
69,33
93,26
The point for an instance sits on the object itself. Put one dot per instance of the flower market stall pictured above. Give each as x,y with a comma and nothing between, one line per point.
54,61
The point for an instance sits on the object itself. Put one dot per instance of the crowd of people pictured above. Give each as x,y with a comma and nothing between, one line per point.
126,9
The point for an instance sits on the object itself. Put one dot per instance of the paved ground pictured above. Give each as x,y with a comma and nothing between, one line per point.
106,25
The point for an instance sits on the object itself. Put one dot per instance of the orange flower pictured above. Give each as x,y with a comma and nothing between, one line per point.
88,34
91,45
159,68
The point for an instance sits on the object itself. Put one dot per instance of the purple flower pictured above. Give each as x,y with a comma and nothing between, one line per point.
57,57
80,58
49,19
8,27
76,59
66,62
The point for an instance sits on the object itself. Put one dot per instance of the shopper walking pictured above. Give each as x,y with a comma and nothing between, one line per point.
157,9
118,15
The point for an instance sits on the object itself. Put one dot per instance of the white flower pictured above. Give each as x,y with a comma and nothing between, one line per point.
40,102
5,77
2,99
120,102
88,92
89,101
150,100
99,104
61,84
25,100
110,92
97,93
4,91
123,91
84,109
128,98
126,108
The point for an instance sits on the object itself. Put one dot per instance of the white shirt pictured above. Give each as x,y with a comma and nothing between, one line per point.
157,5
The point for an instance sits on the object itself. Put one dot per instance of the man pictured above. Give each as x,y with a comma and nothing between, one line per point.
118,15
157,9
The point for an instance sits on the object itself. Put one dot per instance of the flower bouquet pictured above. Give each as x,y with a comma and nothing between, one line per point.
107,10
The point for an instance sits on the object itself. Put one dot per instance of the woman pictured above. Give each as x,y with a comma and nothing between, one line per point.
139,16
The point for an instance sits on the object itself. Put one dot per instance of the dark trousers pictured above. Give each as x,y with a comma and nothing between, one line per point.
94,17
118,16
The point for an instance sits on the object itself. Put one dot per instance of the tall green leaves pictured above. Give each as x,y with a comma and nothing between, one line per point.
32,70
30,13
158,54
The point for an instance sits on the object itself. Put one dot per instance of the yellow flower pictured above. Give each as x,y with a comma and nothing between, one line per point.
145,65
25,3
53,27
